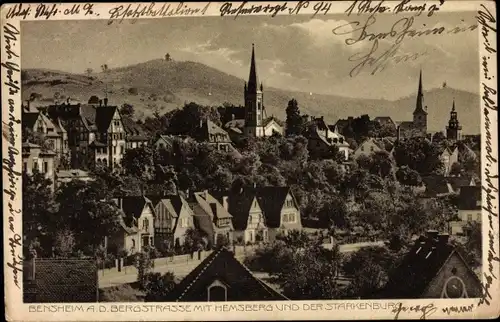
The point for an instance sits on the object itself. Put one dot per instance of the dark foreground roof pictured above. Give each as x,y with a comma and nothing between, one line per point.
61,280
418,268
222,266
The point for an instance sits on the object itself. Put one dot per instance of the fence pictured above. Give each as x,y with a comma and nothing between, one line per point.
127,264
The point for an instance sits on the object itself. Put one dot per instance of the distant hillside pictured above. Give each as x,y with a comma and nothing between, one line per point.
163,85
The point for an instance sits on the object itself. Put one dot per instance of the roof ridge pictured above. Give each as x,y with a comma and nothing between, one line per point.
199,274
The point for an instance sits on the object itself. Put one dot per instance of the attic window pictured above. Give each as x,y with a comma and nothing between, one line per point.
217,292
454,270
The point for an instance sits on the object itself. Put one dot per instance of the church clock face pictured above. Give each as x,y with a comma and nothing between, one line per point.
454,288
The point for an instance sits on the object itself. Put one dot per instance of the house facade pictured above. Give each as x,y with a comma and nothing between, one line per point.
212,218
469,209
322,141
248,217
271,127
36,159
215,136
135,136
448,156
280,209
173,218
368,147
137,224
433,268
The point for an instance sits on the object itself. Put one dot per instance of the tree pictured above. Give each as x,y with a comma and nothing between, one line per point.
127,110
222,240
369,269
296,239
144,264
438,137
294,122
193,240
408,177
139,162
456,169
84,208
159,286
39,212
419,154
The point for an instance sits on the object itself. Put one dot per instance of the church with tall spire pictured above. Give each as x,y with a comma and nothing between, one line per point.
420,112
454,129
418,126
254,102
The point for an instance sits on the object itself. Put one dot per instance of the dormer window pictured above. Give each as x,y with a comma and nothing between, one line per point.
217,292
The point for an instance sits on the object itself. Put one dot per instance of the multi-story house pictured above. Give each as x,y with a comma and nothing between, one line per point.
135,136
52,131
137,224
96,134
448,156
248,218
371,145
469,209
36,159
212,218
214,135
280,209
322,141
173,218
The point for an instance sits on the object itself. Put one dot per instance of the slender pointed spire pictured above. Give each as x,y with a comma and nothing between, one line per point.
453,107
420,96
252,78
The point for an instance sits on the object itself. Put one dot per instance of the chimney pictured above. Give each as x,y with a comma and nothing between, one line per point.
106,101
224,203
254,185
432,234
443,239
232,117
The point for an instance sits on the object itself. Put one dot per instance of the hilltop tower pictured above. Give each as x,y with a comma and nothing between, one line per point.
454,129
420,113
254,102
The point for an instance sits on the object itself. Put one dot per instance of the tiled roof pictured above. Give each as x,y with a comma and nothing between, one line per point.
211,205
437,185
470,198
132,207
418,268
103,117
29,119
237,123
221,265
202,220
239,205
65,280
97,144
134,131
271,201
384,119
459,181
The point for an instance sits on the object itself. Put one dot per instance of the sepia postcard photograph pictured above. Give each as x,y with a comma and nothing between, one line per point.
250,160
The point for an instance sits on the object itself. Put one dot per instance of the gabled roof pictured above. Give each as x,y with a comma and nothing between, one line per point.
132,207
418,268
221,265
209,128
377,143
202,220
63,280
211,205
271,201
470,198
437,185
270,119
384,120
29,119
460,181
239,205
103,117
134,131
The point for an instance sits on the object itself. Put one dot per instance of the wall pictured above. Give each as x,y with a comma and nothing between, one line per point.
472,284
180,230
464,215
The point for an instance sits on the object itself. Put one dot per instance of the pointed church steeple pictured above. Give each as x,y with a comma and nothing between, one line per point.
419,108
252,78
454,129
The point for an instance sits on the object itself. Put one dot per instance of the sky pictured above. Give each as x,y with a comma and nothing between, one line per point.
293,52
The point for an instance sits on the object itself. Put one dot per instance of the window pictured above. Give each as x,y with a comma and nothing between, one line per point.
145,224
25,166
114,150
35,164
371,148
362,148
469,217
45,167
217,292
